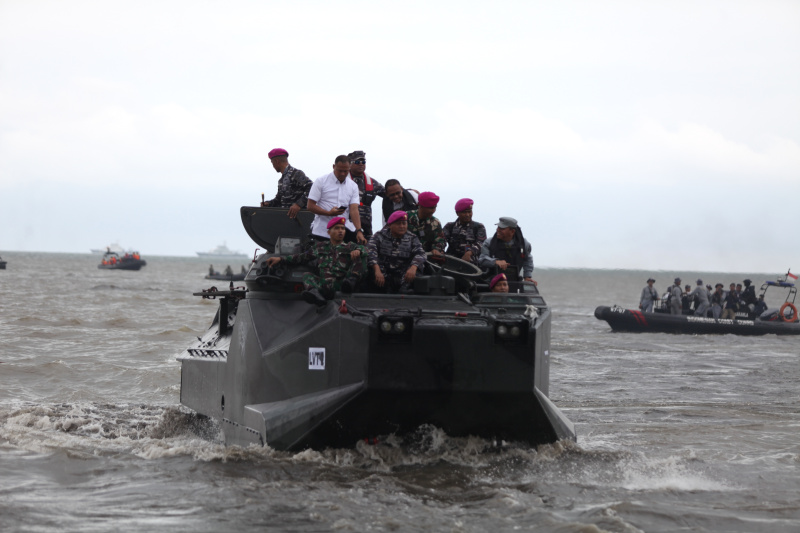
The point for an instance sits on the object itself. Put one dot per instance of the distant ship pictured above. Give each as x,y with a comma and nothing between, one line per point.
221,251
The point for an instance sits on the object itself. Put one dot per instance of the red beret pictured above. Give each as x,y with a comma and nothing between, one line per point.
497,279
428,199
464,203
275,152
397,215
335,220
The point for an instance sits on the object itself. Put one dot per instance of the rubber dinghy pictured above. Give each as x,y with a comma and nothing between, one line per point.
275,370
783,321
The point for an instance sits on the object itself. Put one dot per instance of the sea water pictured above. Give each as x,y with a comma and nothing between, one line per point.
675,432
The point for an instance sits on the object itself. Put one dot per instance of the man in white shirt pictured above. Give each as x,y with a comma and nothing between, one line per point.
333,195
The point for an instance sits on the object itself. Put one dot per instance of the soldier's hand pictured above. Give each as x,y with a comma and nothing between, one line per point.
467,256
379,279
531,280
360,238
502,265
294,210
355,254
411,273
272,261
436,252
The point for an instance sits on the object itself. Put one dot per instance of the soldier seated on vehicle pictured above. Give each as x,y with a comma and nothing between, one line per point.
340,265
508,251
464,236
395,255
499,283
427,227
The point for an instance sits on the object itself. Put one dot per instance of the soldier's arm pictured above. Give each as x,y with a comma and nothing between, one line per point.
302,258
527,265
372,250
447,230
439,242
303,183
480,238
378,188
419,253
486,260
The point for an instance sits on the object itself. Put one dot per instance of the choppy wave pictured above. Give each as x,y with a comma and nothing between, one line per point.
156,432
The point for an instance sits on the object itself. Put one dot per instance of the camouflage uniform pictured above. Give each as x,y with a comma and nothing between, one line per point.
462,237
293,187
429,231
365,201
395,256
334,264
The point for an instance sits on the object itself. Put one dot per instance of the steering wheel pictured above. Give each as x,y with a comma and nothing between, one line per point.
453,266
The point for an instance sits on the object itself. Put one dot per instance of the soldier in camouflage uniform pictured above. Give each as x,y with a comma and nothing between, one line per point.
464,236
427,227
368,189
395,255
340,265
293,186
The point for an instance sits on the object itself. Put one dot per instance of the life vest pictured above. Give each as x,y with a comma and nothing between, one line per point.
514,254
369,191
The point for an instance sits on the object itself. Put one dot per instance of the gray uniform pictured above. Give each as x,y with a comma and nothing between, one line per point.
716,303
649,295
675,301
462,237
293,188
700,295
394,256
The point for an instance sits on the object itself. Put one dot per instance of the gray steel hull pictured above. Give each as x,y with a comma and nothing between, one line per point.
291,376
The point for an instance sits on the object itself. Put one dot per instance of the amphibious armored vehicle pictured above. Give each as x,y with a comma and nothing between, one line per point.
277,371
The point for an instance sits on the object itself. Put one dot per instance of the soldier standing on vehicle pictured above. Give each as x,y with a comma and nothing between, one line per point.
293,186
649,295
368,189
675,297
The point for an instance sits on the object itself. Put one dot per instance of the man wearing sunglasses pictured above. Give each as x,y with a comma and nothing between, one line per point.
398,199
368,189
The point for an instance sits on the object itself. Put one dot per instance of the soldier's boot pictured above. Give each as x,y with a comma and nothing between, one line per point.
349,284
327,292
405,288
313,296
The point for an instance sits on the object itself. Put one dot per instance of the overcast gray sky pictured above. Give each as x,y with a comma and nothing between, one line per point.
621,134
